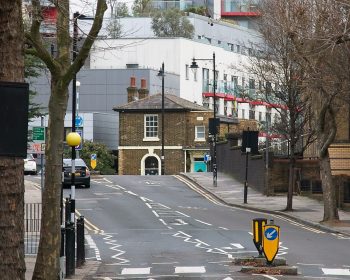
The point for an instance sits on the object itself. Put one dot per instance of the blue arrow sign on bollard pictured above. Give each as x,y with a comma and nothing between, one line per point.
78,121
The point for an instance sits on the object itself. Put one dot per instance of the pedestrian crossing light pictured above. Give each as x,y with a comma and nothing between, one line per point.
73,139
258,225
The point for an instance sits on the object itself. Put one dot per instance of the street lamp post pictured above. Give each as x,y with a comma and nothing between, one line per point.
194,66
76,16
162,75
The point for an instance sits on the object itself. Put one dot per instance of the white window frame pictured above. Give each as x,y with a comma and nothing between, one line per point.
150,138
197,138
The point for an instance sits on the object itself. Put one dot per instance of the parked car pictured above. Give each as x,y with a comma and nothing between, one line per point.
82,173
30,165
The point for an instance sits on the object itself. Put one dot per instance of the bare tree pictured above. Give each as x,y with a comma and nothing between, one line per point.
12,264
62,72
319,32
280,73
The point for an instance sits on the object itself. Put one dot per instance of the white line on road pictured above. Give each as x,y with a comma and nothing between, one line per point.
199,221
132,193
189,269
162,221
223,228
237,245
149,206
146,199
136,271
336,271
267,276
91,243
155,213
182,214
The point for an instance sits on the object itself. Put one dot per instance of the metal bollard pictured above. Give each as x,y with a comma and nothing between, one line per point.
70,249
67,210
80,242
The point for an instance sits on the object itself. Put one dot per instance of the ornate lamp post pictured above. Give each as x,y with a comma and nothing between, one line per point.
194,66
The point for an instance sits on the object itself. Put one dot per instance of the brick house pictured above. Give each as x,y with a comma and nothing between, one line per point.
140,143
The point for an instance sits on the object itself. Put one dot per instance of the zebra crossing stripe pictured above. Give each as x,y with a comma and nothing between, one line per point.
189,269
336,271
136,271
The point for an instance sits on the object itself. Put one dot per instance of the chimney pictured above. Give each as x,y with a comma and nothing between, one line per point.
132,90
143,91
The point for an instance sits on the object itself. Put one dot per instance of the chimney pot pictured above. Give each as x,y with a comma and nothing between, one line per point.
143,83
132,81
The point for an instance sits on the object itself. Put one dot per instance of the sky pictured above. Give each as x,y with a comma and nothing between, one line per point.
87,7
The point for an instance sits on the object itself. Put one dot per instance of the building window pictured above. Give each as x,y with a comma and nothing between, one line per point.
195,76
200,133
186,72
151,127
243,113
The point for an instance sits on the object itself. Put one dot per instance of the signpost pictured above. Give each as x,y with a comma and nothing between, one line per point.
270,242
38,138
93,161
80,146
78,121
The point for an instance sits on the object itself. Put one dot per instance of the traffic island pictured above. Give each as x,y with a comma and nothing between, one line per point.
259,265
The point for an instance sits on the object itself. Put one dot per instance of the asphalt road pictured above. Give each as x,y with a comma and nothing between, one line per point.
157,227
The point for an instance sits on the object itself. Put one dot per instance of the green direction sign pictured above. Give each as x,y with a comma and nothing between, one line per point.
39,133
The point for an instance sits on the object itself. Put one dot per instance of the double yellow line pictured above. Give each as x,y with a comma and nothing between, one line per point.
198,190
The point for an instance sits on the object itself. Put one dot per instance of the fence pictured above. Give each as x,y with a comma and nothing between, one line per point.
32,221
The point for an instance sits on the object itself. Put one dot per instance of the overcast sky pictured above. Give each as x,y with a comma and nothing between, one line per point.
87,7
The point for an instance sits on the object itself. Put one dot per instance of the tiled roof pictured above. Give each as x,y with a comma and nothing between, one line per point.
154,103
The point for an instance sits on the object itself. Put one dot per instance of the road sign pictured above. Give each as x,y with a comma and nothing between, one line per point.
38,134
93,161
270,242
207,158
258,225
80,146
79,121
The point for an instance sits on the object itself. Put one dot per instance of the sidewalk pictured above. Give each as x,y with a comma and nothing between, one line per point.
33,195
305,209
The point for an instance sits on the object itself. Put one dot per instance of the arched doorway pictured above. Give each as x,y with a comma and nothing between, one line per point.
151,166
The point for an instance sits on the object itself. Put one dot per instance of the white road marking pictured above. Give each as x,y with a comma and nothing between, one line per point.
336,271
155,213
267,276
120,187
136,271
223,228
149,206
180,222
162,221
199,221
237,245
146,199
189,269
91,243
182,214
107,193
115,247
132,193
167,263
227,278
250,233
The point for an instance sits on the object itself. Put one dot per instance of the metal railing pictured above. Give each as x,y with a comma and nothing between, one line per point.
32,222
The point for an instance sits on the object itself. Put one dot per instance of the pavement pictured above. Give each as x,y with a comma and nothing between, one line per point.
306,210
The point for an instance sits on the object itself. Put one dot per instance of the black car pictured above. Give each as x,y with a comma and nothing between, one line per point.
82,173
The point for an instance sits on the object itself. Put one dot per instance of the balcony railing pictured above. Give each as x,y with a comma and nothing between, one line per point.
240,6
166,5
230,87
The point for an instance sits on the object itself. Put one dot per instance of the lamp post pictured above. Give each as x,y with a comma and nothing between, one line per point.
162,75
76,16
194,66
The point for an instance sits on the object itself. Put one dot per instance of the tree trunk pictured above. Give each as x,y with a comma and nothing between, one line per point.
47,264
290,184
329,192
12,264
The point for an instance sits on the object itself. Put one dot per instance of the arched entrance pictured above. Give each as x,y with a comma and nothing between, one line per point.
151,165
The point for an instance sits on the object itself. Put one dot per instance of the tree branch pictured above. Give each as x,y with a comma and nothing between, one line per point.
34,38
85,49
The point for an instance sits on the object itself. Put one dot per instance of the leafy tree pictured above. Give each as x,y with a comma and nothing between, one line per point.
114,28
105,159
62,72
117,8
171,23
142,8
199,10
12,265
32,68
